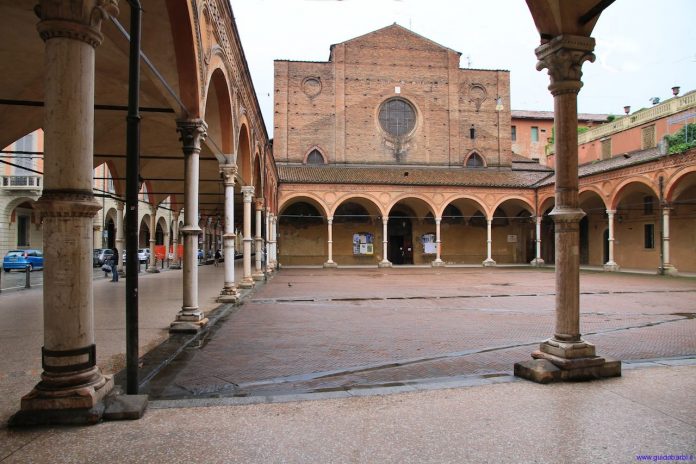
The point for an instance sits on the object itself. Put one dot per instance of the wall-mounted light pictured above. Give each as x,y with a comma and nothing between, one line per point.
499,104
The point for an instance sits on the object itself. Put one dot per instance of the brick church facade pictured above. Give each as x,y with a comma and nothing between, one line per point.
390,153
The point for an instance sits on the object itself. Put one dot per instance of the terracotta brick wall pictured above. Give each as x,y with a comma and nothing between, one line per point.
334,106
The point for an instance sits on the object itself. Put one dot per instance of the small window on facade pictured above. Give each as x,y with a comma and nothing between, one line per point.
514,133
649,236
397,117
648,205
535,134
474,161
606,149
315,157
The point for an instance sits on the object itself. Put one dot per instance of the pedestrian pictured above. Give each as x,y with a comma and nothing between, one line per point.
218,255
114,266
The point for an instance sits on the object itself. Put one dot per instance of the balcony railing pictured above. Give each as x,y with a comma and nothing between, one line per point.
672,106
21,182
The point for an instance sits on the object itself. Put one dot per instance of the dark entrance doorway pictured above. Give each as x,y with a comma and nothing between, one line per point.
548,238
606,246
400,238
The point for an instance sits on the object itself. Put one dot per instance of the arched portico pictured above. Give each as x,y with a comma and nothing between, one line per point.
302,233
463,231
679,223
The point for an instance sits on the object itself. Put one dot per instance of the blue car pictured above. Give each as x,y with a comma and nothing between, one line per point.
20,259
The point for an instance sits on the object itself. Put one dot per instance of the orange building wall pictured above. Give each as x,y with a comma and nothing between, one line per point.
524,145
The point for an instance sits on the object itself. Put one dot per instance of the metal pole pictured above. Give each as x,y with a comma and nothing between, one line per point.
132,187
27,273
662,226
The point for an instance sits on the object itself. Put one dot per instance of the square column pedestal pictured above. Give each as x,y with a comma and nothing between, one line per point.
557,361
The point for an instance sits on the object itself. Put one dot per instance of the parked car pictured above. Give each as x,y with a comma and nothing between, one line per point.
20,259
105,255
143,255
95,257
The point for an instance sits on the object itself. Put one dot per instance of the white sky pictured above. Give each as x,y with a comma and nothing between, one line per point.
644,47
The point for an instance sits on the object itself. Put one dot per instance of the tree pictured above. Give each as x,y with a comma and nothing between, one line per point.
683,139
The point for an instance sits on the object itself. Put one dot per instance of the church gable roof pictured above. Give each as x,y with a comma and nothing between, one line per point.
394,34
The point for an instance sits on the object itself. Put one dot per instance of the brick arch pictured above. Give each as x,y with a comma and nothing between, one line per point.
472,153
676,180
314,200
12,205
181,18
545,202
409,196
217,107
508,198
619,189
244,151
317,148
349,196
595,190
479,201
111,213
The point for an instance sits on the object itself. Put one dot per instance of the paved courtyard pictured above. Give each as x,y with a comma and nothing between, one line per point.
316,330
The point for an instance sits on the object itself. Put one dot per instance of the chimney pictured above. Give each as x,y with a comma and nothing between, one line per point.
675,90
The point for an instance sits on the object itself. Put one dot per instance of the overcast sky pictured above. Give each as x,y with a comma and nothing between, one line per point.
644,47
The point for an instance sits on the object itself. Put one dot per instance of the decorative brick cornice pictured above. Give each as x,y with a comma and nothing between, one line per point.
563,57
74,19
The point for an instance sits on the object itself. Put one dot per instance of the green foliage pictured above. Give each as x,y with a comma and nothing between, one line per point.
610,118
683,139
582,129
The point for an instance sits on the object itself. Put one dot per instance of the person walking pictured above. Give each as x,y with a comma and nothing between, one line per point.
114,266
218,255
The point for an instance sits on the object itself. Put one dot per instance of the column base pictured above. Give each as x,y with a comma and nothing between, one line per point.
258,276
232,298
384,263
488,263
175,266
611,266
558,361
188,322
79,406
247,282
330,264
438,263
152,270
669,269
537,262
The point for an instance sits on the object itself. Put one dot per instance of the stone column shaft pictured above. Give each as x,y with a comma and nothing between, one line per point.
330,262
152,265
175,242
489,242
229,291
537,261
190,318
247,279
385,262
274,235
438,243
611,265
667,265
258,241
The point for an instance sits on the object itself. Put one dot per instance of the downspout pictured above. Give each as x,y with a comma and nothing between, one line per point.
132,189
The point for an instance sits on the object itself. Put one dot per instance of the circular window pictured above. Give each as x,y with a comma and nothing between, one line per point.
397,117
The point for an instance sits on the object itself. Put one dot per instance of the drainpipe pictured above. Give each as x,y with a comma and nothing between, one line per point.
132,188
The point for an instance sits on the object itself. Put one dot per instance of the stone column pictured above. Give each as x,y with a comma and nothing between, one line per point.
258,241
190,318
152,265
566,356
175,242
489,242
438,244
274,247
385,262
611,265
248,194
229,293
269,243
537,261
72,387
330,262
120,238
666,264
166,248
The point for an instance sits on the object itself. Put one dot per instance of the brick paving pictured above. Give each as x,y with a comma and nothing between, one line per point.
315,330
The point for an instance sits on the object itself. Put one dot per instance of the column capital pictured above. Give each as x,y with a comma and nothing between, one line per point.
67,203
258,203
611,212
248,192
74,19
192,132
385,221
438,220
120,205
563,56
329,219
228,173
